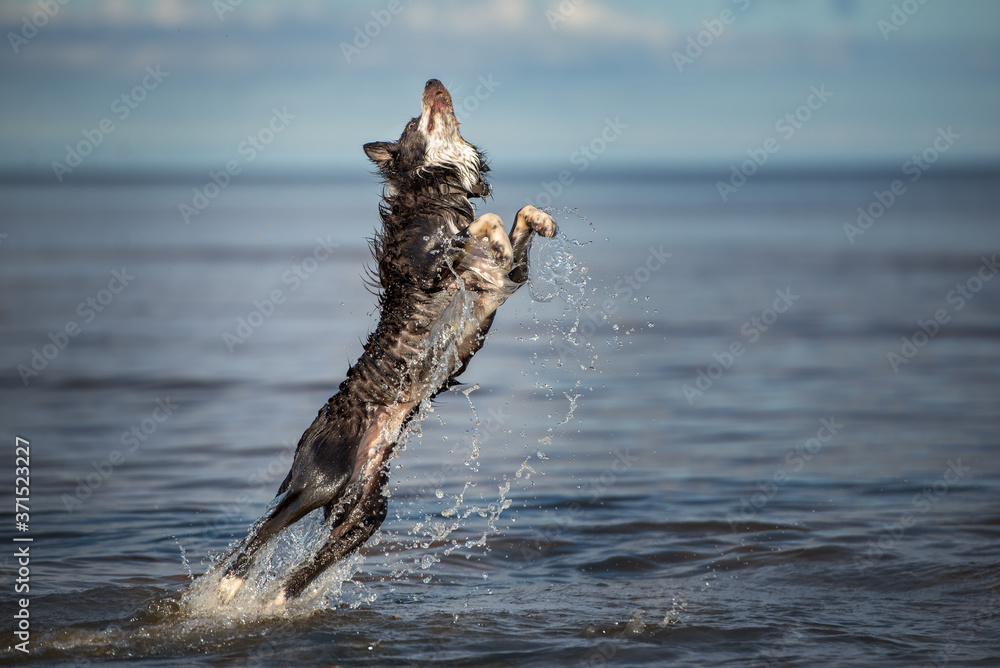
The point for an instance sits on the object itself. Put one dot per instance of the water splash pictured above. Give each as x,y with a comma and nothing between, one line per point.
434,531
462,526
297,543
184,558
555,273
572,398
292,546
473,459
194,619
555,270
677,611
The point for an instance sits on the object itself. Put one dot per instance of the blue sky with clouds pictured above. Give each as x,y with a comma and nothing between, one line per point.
534,80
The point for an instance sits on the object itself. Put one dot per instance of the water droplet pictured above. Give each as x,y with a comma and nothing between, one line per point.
439,493
635,625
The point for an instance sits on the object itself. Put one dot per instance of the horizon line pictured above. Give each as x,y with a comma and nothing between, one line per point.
10,175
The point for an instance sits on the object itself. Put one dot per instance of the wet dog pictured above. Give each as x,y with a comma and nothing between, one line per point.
441,275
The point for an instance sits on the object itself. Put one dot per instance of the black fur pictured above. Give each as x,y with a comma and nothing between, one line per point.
427,262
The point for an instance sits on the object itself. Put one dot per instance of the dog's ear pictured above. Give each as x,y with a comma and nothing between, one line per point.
381,153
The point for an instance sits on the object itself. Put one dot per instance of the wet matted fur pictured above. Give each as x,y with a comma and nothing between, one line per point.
441,275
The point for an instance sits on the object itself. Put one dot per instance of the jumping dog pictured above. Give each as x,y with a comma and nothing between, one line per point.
441,273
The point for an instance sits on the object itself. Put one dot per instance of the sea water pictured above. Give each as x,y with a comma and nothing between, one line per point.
686,442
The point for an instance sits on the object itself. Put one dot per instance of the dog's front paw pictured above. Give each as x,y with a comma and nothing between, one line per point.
539,221
489,227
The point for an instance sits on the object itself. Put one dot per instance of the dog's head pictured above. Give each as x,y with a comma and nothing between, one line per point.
430,146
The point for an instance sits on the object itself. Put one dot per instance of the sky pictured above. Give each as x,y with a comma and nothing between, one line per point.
169,85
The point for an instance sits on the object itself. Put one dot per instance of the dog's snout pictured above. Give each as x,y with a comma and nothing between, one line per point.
434,90
435,100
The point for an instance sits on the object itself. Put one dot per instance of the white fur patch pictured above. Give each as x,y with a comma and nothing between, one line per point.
445,147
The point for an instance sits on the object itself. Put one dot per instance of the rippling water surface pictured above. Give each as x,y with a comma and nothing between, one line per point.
685,444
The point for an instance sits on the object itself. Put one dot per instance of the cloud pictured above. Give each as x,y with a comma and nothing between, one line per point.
462,19
482,32
164,14
535,27
609,24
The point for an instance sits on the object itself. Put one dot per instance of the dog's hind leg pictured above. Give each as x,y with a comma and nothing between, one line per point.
359,522
293,507
528,220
